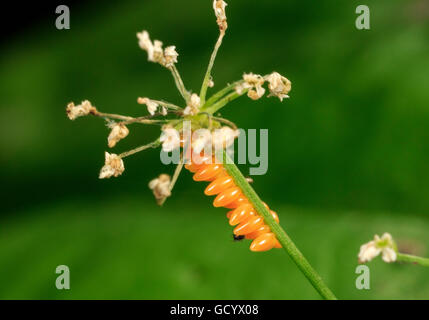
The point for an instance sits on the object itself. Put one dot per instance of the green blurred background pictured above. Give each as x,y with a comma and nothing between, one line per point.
348,153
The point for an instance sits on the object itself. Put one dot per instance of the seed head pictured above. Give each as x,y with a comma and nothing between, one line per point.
113,166
254,83
151,105
170,56
278,85
170,139
193,106
224,137
161,187
80,110
219,9
155,52
119,132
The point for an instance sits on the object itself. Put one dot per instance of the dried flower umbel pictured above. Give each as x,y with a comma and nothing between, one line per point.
195,107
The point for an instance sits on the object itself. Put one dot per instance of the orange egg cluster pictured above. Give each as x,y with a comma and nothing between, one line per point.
242,215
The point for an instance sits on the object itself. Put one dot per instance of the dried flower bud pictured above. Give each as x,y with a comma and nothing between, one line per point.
151,105
80,110
279,86
211,83
155,52
241,87
164,111
161,187
170,139
119,131
200,139
256,93
158,52
254,83
144,42
193,106
113,166
219,9
224,137
170,56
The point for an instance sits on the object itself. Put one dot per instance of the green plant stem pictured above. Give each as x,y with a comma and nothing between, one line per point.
179,83
207,76
222,102
153,144
402,257
215,97
281,235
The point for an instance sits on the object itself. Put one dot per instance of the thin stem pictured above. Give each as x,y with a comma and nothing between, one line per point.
145,121
113,116
167,104
281,235
225,121
402,257
222,102
206,80
126,119
153,144
221,93
179,83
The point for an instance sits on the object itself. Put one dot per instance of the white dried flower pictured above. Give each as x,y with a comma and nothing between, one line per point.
119,132
155,52
219,9
144,40
211,83
80,110
164,111
193,106
224,137
170,56
384,245
151,105
279,86
158,52
170,139
200,139
254,83
161,187
113,166
146,44
241,87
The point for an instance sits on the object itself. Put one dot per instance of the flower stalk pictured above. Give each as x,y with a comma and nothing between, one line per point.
153,144
222,102
286,242
402,257
207,76
179,83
